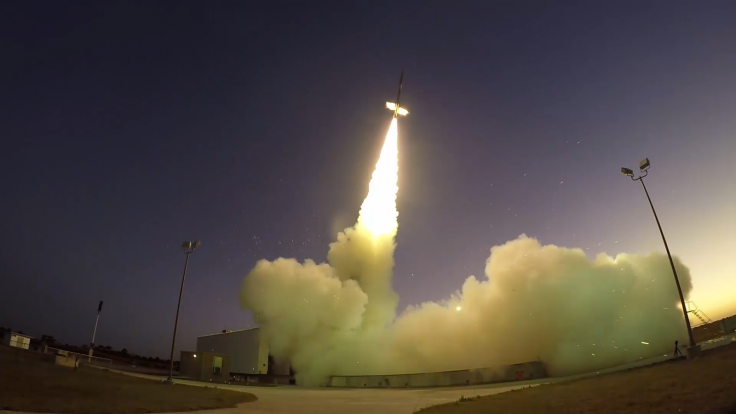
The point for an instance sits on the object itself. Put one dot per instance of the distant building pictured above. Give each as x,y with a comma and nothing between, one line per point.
17,340
248,351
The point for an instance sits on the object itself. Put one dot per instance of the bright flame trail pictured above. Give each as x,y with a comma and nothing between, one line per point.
378,213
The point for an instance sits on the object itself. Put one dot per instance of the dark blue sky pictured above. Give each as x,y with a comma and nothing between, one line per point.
128,128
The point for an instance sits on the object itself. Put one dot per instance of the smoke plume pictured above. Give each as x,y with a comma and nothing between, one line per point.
535,302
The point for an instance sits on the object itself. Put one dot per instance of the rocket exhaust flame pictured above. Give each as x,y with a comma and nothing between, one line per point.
378,213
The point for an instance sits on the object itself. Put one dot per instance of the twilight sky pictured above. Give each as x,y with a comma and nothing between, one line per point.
128,128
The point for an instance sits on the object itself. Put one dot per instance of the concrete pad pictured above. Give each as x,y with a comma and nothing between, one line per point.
693,352
301,400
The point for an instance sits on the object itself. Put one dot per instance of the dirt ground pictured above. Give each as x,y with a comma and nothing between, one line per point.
28,383
706,385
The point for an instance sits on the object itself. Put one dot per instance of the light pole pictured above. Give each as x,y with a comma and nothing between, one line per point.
644,167
188,248
94,333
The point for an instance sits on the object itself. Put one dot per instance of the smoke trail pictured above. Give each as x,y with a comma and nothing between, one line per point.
535,302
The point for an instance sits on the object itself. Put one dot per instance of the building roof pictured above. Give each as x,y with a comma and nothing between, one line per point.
228,332
20,334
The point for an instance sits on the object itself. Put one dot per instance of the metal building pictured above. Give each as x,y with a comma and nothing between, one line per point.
248,351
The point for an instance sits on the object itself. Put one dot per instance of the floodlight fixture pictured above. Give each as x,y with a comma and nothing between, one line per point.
186,245
196,243
644,164
627,171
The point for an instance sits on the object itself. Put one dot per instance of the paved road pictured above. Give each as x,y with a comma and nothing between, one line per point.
303,400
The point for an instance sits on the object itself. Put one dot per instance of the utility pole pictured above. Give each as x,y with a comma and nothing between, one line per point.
188,248
94,333
693,350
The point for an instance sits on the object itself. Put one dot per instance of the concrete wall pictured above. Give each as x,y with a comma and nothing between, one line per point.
728,325
207,371
247,350
517,372
188,365
198,366
715,329
707,332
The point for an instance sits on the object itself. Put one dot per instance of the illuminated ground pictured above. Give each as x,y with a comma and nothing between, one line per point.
705,385
300,400
31,382
680,382
402,401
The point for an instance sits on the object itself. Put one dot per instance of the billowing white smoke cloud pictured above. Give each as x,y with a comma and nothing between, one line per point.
535,302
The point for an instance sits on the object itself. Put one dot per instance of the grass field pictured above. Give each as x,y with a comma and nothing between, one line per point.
27,383
706,385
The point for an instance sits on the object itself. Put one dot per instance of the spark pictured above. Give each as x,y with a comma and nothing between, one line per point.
645,343
378,213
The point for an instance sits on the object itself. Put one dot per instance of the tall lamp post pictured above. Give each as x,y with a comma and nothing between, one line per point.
94,333
188,248
644,165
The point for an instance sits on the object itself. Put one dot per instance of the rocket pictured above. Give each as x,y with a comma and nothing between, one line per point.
395,106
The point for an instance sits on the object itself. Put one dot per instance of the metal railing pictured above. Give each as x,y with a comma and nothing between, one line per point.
693,308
